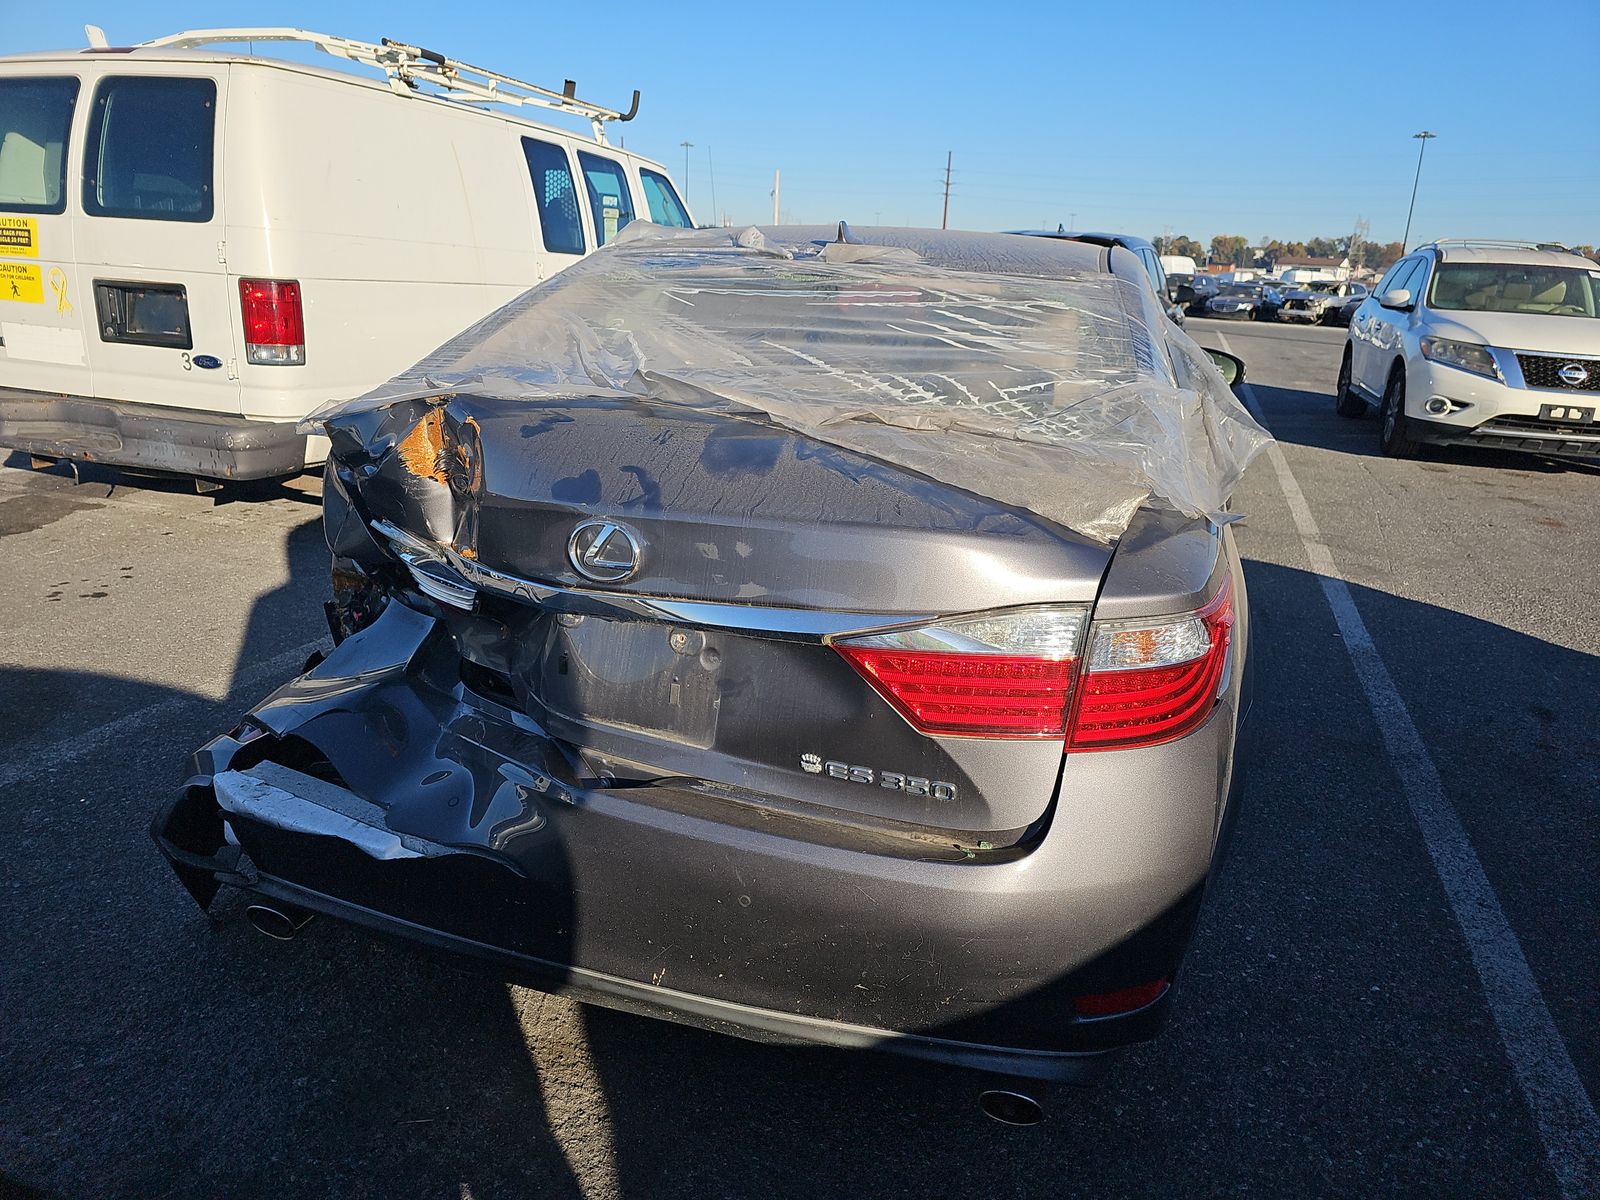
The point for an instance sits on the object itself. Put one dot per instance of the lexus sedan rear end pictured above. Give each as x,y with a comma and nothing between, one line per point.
702,716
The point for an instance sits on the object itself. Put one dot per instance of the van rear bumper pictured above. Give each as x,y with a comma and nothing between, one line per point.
150,436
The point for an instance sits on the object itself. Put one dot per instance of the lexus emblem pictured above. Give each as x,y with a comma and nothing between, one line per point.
1574,374
604,551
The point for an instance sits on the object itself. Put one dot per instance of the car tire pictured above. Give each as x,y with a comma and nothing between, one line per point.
1394,429
1345,401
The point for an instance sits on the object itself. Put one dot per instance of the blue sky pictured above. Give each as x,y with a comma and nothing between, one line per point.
1266,120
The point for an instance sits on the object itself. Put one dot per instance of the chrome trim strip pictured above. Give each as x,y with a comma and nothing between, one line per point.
796,624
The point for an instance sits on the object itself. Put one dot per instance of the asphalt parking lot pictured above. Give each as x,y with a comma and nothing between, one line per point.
1393,991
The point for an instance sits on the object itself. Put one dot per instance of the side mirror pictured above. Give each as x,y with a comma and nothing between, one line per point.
1398,298
1231,366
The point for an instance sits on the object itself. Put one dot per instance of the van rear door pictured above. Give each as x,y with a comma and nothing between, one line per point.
150,240
43,322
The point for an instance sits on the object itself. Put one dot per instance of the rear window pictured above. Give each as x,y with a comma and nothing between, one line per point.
149,151
610,205
1498,287
555,196
35,118
665,207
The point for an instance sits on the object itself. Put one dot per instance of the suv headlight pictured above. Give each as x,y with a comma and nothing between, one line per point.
1464,356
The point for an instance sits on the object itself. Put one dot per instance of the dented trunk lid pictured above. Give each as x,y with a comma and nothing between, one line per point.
785,534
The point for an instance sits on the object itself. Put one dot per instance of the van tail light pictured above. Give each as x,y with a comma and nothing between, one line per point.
1153,680
1007,674
274,326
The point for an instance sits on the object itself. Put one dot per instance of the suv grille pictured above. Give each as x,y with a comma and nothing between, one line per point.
1544,371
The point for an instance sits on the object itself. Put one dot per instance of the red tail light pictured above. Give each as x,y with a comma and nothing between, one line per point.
1111,1004
274,326
1147,682
1007,674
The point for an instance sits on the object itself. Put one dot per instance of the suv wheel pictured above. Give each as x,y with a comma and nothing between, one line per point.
1345,402
1394,435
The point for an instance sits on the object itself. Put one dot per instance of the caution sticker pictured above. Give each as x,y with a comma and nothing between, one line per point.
21,282
19,237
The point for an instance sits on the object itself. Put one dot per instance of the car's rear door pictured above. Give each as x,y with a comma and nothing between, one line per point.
151,241
44,318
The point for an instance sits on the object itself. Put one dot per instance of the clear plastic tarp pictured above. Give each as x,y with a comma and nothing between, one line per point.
1015,368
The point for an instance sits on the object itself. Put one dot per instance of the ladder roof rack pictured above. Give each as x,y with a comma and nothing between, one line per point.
408,68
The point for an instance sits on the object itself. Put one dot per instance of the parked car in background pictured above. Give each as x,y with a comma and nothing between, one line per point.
1145,251
763,715
1235,301
1340,312
1477,342
207,244
1312,302
1271,299
1200,289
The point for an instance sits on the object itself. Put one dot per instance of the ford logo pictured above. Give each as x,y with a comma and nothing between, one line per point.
1574,374
604,551
206,362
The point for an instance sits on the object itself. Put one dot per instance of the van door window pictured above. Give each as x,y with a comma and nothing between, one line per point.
663,203
609,202
149,153
35,117
555,196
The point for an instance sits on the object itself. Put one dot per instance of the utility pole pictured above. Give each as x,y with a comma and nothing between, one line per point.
944,222
687,146
1422,146
774,197
712,171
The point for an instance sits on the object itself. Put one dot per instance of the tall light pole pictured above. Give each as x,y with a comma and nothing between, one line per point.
1422,146
687,146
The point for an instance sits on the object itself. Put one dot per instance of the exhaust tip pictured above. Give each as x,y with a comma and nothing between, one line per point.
1010,1108
279,922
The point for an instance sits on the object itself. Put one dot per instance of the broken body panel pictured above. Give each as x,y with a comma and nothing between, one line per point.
670,791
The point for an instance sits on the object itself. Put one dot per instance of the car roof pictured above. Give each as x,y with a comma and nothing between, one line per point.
168,54
1509,256
1126,240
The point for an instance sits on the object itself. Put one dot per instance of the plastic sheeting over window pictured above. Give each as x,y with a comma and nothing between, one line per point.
1015,368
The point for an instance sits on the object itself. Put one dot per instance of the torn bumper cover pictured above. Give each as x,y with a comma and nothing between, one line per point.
377,788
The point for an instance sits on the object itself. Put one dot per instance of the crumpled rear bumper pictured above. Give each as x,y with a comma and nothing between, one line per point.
377,790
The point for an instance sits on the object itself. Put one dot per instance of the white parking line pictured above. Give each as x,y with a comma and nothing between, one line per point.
1561,1107
104,737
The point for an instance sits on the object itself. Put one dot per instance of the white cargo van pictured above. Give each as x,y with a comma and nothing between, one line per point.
198,247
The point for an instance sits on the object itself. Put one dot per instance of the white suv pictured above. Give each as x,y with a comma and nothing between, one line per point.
1480,343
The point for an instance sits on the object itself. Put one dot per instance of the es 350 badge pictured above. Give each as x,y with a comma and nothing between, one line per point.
895,781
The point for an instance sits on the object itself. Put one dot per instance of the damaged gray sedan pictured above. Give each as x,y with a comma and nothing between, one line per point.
809,634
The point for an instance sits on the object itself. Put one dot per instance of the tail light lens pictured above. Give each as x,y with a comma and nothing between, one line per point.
1112,1004
1151,681
1001,675
274,326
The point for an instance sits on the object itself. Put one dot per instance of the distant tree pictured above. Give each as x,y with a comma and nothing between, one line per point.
1295,250
1320,247
1588,252
1381,257
1186,246
1230,248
